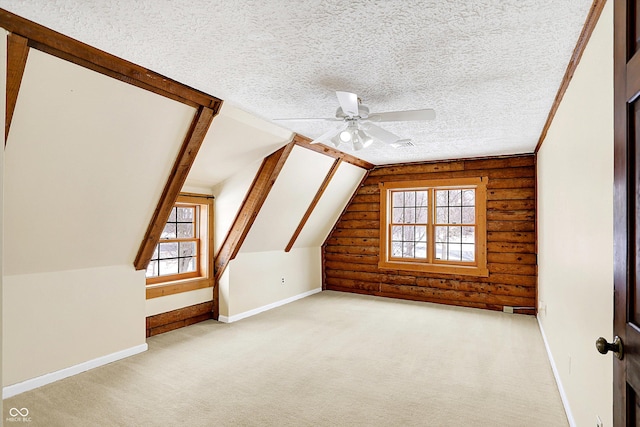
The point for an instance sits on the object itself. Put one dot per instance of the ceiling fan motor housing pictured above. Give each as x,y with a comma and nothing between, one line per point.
363,112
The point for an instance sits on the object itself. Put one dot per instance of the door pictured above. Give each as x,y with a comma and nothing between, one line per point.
626,371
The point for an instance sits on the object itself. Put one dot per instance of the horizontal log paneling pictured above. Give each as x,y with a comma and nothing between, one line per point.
351,252
179,318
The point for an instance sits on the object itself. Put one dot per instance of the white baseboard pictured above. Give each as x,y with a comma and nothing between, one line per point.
12,390
240,316
563,395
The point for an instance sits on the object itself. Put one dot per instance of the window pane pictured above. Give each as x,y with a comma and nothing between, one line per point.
396,249
442,216
408,233
172,215
421,198
468,252
185,214
421,215
398,199
441,234
442,198
169,231
468,235
187,249
396,232
409,198
168,250
168,266
421,234
398,217
468,215
407,250
185,231
152,269
441,248
455,234
421,250
455,252
455,215
155,253
455,197
186,265
410,215
468,197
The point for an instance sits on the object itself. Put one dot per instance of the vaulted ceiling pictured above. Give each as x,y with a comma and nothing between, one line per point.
490,68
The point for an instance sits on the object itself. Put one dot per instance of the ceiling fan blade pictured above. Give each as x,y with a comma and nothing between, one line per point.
349,102
403,116
305,119
326,137
378,133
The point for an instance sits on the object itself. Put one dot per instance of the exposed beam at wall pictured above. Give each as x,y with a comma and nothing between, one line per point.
54,43
305,142
257,194
17,52
314,202
583,39
187,154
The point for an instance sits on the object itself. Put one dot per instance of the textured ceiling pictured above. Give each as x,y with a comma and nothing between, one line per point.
490,68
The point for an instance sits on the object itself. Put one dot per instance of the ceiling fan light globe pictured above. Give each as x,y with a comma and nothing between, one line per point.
357,145
345,136
364,139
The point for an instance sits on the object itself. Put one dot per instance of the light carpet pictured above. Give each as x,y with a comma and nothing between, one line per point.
331,359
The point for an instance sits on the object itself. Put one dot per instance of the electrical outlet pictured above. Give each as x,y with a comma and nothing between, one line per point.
507,309
599,422
542,308
282,280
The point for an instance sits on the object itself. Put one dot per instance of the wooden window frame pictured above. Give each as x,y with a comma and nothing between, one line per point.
429,264
203,277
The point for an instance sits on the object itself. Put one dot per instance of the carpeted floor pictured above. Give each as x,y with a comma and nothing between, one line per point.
332,359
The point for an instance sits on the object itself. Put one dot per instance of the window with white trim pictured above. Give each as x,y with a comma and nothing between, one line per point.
434,226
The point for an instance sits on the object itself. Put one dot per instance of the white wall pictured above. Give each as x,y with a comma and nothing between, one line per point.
255,278
575,231
86,161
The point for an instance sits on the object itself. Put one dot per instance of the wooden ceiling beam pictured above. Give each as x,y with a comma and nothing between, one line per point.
187,154
54,43
253,201
303,141
17,52
583,39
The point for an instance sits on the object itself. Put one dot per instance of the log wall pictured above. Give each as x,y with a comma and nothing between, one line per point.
351,252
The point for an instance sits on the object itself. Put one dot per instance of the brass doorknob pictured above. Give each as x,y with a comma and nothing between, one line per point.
616,347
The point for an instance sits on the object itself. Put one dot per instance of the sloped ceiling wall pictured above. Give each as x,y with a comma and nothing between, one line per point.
86,161
330,206
235,140
288,200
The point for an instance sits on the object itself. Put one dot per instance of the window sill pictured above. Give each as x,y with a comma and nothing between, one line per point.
178,286
458,270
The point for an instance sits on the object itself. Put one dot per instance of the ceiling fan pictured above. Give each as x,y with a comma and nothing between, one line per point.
356,125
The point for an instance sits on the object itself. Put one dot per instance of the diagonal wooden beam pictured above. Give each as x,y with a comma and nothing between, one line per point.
17,52
187,154
303,141
583,39
314,202
253,201
67,48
